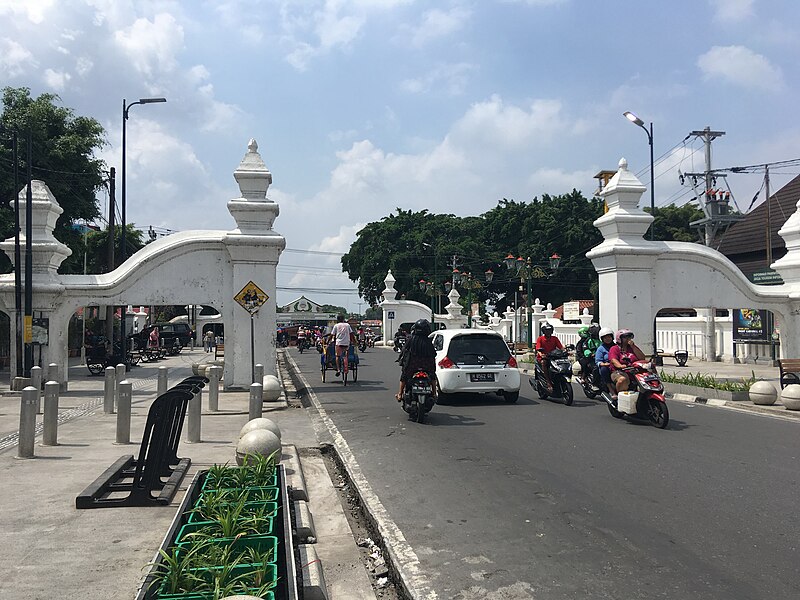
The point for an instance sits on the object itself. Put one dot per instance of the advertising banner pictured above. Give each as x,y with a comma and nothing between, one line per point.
750,325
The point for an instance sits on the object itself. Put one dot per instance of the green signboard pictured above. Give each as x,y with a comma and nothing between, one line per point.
766,277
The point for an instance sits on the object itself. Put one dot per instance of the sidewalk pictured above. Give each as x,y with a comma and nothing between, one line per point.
54,550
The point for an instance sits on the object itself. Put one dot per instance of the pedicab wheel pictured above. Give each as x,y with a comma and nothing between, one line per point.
355,373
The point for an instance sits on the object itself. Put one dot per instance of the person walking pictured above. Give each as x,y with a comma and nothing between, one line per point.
208,338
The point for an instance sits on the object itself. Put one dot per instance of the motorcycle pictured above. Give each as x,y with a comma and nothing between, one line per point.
362,345
418,396
589,382
560,376
371,341
303,344
650,405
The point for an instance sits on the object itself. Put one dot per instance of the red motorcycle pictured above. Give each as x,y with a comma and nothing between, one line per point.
649,404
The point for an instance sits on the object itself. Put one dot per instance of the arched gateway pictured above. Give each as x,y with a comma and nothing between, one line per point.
192,267
637,277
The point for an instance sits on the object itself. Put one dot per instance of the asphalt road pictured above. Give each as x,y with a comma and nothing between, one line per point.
540,500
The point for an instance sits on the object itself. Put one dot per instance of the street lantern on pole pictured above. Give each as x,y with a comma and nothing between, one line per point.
470,283
123,251
637,121
527,271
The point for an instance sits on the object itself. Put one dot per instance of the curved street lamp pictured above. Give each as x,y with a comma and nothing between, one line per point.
637,121
526,270
123,251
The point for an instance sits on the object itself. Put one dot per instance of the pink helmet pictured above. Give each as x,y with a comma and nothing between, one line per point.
623,333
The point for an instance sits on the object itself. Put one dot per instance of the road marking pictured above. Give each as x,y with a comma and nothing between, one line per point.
405,560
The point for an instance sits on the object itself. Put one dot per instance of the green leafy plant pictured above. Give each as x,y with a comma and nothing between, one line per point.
174,570
704,380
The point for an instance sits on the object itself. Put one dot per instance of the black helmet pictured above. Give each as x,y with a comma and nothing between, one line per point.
421,327
594,331
546,328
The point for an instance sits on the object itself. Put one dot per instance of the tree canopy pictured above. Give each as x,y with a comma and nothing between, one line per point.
62,155
423,245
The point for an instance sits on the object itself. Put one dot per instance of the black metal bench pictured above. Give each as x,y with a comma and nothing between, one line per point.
680,356
157,458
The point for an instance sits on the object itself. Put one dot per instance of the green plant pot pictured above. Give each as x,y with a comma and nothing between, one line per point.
249,509
199,526
208,596
237,573
262,543
228,483
252,494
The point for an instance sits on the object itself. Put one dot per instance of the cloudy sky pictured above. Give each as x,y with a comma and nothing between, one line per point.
361,106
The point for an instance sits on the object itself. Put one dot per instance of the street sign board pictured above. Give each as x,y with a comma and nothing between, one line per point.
750,325
251,297
572,311
767,277
390,314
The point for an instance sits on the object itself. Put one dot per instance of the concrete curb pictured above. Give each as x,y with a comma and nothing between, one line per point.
744,406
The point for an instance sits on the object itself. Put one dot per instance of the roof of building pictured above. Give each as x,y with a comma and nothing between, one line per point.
749,236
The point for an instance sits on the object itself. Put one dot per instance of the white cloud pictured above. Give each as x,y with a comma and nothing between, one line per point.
537,2
34,10
740,66
452,79
152,46
14,58
732,10
56,79
341,242
438,23
560,180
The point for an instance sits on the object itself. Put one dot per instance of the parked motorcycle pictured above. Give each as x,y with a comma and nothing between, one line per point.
650,403
589,382
418,396
560,375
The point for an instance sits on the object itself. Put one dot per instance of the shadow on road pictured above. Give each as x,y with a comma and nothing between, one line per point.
464,399
439,419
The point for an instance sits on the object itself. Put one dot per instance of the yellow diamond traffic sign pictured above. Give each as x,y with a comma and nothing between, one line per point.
251,297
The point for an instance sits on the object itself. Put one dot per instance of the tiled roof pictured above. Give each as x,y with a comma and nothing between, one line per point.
749,236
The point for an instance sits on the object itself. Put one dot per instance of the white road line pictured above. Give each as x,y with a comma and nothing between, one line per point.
405,560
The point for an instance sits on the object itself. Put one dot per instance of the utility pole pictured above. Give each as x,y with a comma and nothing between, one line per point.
769,217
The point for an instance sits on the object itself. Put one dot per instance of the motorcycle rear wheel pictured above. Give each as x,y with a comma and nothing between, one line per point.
420,416
658,414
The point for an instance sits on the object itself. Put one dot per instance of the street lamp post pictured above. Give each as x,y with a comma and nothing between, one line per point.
528,271
123,253
637,121
466,280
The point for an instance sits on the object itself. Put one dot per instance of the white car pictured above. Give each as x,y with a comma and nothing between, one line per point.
475,361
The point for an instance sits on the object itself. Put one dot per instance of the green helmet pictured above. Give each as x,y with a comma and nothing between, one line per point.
584,331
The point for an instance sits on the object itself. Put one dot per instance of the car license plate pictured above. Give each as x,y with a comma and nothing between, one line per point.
481,376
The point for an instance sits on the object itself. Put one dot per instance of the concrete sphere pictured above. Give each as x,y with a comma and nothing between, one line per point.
272,388
259,441
764,393
790,397
260,423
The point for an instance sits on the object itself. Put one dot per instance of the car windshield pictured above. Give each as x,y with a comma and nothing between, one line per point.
478,349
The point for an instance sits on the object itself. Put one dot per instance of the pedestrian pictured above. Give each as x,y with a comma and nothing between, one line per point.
209,340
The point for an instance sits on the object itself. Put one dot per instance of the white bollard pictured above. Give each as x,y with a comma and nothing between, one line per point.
52,372
258,374
36,381
125,388
214,375
256,401
27,422
163,380
109,390
50,433
193,418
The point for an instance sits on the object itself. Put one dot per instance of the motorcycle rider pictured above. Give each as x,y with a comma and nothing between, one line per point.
418,355
601,359
586,347
623,354
545,343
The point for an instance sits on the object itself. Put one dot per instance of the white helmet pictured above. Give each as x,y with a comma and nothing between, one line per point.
605,331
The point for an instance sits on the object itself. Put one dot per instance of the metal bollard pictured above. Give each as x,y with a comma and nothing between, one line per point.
52,372
109,390
50,433
163,380
125,388
214,375
193,418
256,401
120,376
27,422
36,381
258,374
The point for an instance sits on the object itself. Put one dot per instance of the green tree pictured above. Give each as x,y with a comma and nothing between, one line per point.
97,248
63,156
672,223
